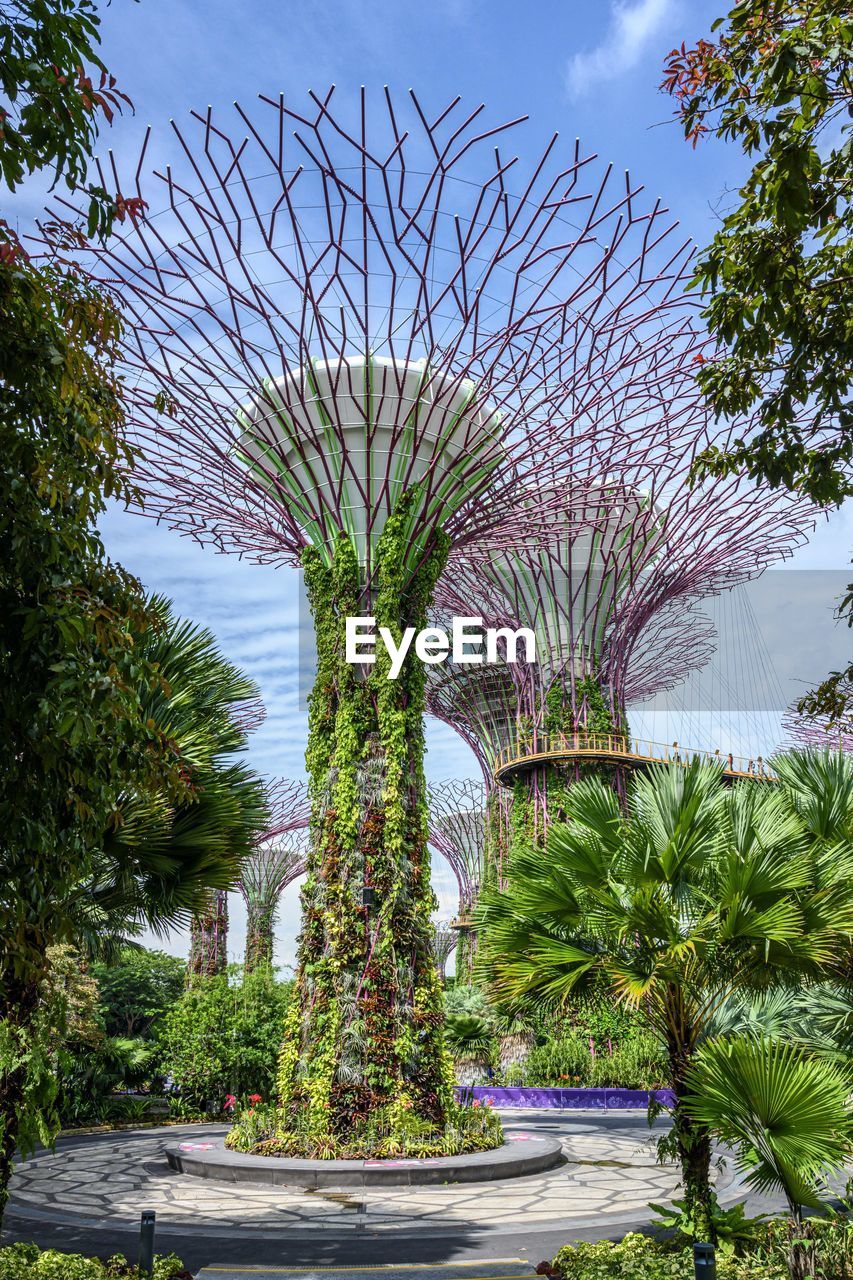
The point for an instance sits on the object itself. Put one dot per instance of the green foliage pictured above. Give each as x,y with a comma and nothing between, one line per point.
223,1036
762,1255
786,1113
776,276
137,989
468,999
591,1014
468,1036
385,1133
72,735
732,1228
777,81
639,1062
72,732
54,90
28,1262
88,1074
644,1258
695,891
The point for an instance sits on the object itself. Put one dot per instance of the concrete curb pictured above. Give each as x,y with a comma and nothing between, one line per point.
519,1157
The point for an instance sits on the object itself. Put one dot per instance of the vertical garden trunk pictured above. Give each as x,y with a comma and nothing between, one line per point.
260,927
209,939
364,1034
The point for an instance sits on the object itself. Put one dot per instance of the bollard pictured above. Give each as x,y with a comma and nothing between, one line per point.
146,1242
704,1261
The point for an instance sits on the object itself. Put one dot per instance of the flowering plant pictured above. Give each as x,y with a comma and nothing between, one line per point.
229,1103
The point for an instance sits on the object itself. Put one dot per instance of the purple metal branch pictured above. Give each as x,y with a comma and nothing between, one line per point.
457,829
815,731
304,297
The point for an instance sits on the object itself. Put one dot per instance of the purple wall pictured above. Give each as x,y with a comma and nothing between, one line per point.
569,1099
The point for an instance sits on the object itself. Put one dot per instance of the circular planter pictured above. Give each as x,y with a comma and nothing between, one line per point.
521,1154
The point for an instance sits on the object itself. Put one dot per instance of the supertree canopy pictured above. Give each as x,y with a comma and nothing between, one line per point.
818,731
279,858
385,351
613,598
288,810
444,940
458,820
263,879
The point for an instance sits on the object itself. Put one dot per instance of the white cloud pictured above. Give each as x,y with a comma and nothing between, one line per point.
631,29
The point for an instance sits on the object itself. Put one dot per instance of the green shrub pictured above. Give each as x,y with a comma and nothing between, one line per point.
763,1255
466,999
638,1062
88,1075
639,1257
223,1036
28,1262
260,1130
559,1062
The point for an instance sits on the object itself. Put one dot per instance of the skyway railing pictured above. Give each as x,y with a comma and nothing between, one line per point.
548,748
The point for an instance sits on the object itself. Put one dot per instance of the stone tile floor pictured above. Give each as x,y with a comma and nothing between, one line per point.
610,1172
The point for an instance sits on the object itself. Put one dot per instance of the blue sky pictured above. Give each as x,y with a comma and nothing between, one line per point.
587,68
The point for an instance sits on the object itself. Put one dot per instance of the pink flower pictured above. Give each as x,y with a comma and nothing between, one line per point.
490,1102
230,1102
476,1102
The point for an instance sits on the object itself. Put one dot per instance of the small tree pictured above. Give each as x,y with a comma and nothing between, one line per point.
137,989
788,1116
776,81
222,1037
696,893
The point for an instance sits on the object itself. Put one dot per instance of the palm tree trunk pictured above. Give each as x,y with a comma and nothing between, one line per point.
692,1139
802,1261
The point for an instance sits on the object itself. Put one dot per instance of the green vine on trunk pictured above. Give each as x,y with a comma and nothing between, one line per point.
364,1036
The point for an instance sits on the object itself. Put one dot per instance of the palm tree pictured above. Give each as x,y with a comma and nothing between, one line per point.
163,854
468,1037
694,893
162,861
786,1112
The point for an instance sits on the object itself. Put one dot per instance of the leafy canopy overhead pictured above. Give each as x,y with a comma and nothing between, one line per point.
54,92
777,81
777,275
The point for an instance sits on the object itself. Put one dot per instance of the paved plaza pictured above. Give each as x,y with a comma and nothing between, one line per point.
609,1176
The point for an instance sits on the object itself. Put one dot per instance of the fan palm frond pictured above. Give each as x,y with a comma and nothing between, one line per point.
786,1113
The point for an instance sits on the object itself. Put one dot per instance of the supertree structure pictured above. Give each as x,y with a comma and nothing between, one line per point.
444,940
816,731
263,879
490,708
361,349
457,829
280,857
288,809
613,601
209,938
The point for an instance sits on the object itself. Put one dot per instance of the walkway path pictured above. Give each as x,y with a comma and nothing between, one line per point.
95,1188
